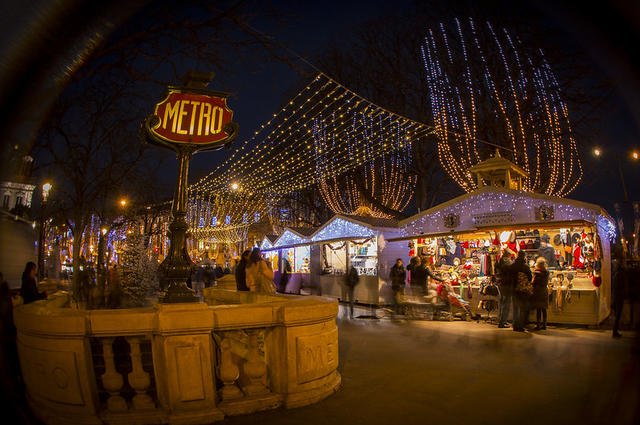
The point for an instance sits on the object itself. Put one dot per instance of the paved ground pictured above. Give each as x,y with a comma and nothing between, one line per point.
437,372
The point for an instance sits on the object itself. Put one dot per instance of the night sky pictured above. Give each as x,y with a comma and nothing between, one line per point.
605,35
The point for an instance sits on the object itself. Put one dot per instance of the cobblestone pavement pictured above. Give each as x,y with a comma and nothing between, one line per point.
438,372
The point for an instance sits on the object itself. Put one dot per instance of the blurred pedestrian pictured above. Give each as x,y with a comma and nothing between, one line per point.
351,282
241,274
29,287
259,273
540,297
398,275
284,276
420,278
114,298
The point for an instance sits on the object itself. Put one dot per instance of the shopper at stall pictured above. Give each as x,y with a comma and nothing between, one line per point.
547,251
259,274
398,275
351,282
29,288
520,298
504,280
413,263
540,297
420,277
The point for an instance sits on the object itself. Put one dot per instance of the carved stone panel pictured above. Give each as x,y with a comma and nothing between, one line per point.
190,373
317,355
52,375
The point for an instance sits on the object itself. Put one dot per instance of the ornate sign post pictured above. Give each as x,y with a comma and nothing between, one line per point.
190,119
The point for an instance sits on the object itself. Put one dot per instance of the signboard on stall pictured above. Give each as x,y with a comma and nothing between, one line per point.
493,218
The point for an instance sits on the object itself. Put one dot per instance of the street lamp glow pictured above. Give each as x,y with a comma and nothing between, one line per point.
635,155
597,152
123,202
45,190
104,231
234,186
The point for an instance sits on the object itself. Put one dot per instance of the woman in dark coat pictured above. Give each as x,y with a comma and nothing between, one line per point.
241,274
29,288
540,297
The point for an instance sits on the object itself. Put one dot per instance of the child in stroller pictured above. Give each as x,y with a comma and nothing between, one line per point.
447,294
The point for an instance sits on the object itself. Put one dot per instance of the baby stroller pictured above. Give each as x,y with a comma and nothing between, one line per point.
451,304
489,300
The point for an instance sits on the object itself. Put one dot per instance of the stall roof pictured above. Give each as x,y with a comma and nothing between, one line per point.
304,231
492,206
345,227
267,241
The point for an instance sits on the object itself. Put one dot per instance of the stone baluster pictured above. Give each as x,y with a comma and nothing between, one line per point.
254,369
138,378
229,372
112,380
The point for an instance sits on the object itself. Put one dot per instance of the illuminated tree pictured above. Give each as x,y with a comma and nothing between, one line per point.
486,90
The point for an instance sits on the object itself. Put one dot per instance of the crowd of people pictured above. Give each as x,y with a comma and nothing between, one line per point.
521,290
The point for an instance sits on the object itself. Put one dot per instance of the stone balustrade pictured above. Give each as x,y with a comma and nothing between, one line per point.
177,363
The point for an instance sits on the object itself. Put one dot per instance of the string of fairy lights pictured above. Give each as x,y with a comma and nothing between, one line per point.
467,102
355,151
321,136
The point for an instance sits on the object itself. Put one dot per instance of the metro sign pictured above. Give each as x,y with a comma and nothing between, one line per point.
197,118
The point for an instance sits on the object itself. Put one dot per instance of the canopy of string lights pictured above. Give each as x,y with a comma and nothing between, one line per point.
325,132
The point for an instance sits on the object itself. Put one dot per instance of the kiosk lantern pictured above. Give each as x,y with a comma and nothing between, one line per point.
190,119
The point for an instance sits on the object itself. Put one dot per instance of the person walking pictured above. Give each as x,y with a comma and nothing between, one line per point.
520,271
398,275
505,282
29,287
241,273
284,277
540,297
259,274
352,280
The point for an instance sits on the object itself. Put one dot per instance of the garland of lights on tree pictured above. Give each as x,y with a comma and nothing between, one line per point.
485,87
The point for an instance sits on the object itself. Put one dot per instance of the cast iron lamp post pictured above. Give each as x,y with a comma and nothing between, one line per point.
190,119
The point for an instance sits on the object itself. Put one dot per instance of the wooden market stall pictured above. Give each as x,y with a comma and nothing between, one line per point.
464,237
359,241
292,247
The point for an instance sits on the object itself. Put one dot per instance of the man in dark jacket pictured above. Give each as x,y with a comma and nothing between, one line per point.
520,300
352,280
505,281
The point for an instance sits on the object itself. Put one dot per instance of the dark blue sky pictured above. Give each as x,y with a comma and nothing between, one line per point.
606,36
